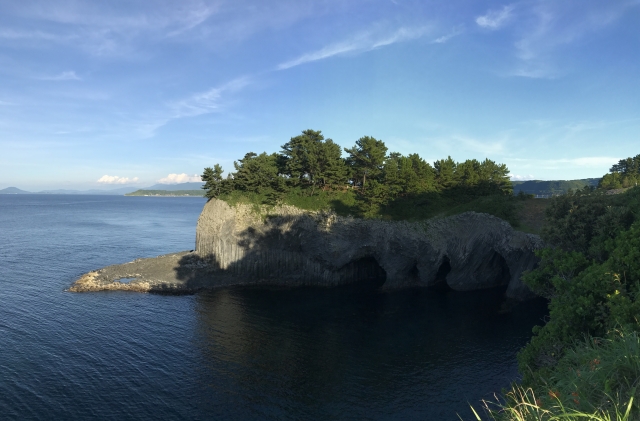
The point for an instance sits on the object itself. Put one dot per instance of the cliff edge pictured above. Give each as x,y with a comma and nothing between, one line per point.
244,245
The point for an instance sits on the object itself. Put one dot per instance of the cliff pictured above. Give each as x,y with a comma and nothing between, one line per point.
242,245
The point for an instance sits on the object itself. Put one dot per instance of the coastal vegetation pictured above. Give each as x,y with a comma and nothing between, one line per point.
550,188
584,363
309,172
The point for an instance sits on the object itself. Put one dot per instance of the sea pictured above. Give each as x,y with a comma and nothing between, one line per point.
231,353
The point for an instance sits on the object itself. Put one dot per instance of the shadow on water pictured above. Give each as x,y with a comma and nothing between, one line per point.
316,353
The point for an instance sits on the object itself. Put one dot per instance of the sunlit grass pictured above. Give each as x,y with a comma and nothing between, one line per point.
596,380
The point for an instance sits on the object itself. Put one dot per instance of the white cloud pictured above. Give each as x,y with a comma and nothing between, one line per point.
114,179
444,38
180,178
208,101
494,19
515,177
361,42
69,75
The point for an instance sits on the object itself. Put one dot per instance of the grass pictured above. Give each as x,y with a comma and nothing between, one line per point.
410,208
596,380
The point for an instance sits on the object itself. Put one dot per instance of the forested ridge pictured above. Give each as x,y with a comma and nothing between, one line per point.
369,181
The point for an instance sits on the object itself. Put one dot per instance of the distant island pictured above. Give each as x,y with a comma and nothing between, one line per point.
167,193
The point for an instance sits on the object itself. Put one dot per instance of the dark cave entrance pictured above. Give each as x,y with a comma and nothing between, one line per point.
365,272
440,281
496,267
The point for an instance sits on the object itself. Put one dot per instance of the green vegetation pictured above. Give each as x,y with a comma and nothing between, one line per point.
591,276
552,187
626,173
194,193
310,173
596,379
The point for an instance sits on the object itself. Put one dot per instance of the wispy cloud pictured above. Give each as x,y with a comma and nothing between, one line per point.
114,179
68,75
494,19
208,101
362,42
213,100
180,178
548,26
444,38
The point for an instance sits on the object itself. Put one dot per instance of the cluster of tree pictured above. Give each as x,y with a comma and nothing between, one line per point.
311,163
590,272
626,173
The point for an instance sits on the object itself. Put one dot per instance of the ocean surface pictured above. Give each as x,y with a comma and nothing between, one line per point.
231,354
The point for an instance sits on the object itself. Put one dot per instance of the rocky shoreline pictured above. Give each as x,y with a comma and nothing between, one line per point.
286,246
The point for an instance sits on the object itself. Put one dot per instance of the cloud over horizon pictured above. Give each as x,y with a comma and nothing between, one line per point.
114,179
180,178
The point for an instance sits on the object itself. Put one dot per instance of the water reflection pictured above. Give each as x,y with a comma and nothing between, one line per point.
342,353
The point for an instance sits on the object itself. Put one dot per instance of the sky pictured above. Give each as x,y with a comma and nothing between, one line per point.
131,93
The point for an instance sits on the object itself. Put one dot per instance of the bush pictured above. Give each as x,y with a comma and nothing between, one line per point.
596,379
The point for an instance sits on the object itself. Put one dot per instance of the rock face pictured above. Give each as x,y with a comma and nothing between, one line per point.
287,246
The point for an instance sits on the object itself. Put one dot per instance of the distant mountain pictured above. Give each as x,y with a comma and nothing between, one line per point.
552,187
118,191
13,190
180,186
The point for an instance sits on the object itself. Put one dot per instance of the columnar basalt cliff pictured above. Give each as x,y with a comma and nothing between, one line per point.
242,245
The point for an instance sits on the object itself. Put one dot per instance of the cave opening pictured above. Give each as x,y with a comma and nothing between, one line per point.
366,272
440,280
501,270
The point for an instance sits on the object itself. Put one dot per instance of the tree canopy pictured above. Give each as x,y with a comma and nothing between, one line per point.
309,163
626,173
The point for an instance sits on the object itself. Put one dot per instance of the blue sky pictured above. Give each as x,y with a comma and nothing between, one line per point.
111,94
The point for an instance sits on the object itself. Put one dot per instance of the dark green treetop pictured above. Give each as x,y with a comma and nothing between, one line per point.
366,159
212,178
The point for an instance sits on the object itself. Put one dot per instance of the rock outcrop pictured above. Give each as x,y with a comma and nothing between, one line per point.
242,245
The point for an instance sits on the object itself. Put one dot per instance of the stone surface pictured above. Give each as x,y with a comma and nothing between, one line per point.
245,245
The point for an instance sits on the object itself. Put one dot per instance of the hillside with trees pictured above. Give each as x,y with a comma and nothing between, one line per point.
624,174
310,172
584,363
549,188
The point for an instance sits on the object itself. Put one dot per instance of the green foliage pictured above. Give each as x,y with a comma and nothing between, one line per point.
309,159
626,173
258,173
583,221
368,182
596,379
553,187
591,276
366,159
213,181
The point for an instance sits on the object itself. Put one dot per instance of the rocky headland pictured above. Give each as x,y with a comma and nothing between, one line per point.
286,246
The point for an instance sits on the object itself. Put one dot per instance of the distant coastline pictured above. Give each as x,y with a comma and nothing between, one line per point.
167,193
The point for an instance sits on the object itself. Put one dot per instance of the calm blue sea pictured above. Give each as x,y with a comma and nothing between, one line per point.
232,354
